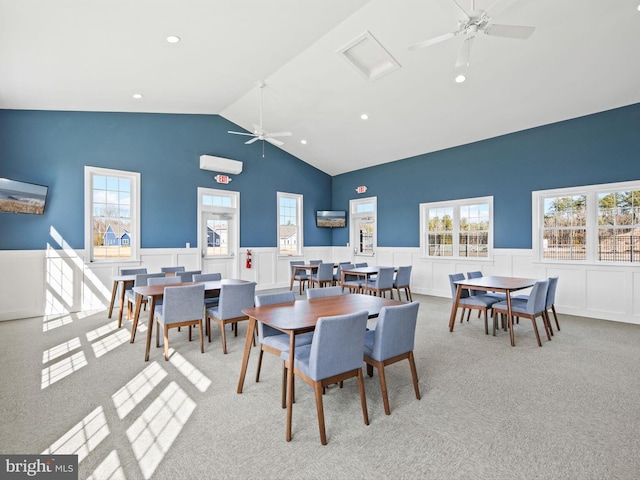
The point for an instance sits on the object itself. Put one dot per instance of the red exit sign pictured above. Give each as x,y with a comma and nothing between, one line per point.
361,189
222,179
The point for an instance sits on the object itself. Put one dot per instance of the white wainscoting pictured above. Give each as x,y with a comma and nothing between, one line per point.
57,281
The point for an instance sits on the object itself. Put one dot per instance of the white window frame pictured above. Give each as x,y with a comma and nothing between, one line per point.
591,194
232,210
134,178
456,205
356,214
299,209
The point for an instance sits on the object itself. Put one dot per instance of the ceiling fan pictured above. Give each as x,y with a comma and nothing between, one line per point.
476,21
260,133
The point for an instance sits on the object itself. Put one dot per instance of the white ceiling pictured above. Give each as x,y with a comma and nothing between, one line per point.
92,55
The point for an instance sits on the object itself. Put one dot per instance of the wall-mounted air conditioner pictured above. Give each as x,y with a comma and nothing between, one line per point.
219,164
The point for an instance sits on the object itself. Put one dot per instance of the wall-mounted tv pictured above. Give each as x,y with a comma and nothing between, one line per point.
22,197
331,218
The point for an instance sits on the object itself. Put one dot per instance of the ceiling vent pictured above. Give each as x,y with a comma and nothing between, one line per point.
219,164
369,57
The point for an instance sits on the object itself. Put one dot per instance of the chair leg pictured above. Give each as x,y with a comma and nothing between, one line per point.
319,408
409,296
414,375
224,338
462,315
363,397
553,309
166,343
468,314
201,337
547,325
259,364
383,388
486,322
157,334
535,329
370,370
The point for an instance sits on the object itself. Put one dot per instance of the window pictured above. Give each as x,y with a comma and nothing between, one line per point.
457,229
289,224
218,210
599,223
112,214
363,232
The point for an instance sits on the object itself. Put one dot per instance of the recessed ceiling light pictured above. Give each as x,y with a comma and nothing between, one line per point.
304,142
364,116
137,96
173,39
460,78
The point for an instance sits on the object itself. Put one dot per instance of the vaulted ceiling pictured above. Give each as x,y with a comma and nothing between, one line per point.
93,55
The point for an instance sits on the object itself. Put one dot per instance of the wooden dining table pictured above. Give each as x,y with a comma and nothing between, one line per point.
498,284
365,272
155,292
300,317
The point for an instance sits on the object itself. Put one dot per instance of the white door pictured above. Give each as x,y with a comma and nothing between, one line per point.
218,231
363,230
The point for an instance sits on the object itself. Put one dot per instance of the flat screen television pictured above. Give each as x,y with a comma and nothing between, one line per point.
22,197
331,218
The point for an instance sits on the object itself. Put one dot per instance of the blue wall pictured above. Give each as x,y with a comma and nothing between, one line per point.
52,148
600,148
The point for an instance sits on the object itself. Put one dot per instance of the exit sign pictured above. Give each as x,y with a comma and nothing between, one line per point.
361,189
222,179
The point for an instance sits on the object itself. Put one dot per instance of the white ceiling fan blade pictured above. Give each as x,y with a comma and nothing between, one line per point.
510,31
464,53
254,139
274,141
241,133
279,134
433,41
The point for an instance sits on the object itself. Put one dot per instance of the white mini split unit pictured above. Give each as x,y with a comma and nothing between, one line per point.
219,164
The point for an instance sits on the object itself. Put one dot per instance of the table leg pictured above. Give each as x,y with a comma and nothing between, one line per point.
293,274
510,320
152,306
124,287
292,347
454,308
247,351
114,291
136,316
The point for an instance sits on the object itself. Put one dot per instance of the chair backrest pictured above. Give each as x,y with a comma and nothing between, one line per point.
337,345
454,277
181,303
384,278
187,276
172,269
206,277
314,262
274,298
271,299
538,297
234,297
551,292
132,271
363,264
403,277
325,292
348,278
163,280
476,274
142,279
395,331
325,272
338,275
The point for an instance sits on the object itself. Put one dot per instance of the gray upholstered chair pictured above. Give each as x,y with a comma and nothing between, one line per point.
211,299
334,355
300,276
479,274
325,292
182,306
233,298
352,282
549,304
403,280
362,265
131,271
187,276
142,280
274,341
531,308
471,302
392,341
172,269
323,276
337,276
382,283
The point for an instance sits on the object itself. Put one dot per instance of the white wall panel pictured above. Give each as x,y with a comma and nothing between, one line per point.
606,291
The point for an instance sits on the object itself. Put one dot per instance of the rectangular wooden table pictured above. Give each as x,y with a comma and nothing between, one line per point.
154,292
365,272
300,317
504,285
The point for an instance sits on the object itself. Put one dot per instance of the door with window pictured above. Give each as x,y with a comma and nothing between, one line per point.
219,232
363,232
